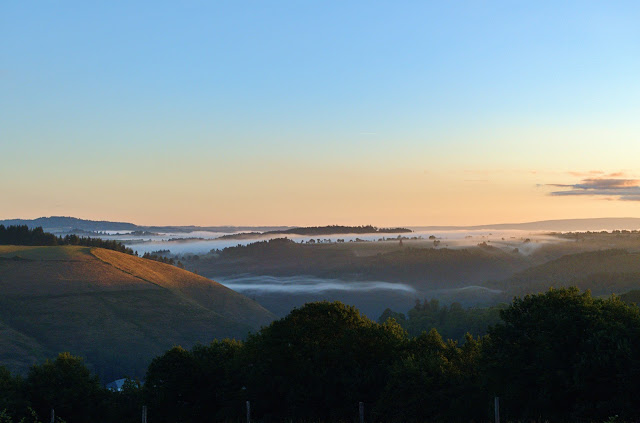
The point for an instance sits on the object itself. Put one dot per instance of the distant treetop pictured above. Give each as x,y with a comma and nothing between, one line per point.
337,229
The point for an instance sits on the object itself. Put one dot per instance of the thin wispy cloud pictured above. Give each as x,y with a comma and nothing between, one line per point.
586,174
597,174
490,172
608,186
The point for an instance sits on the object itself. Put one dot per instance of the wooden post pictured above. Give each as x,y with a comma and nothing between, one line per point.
144,414
496,406
248,412
53,416
361,408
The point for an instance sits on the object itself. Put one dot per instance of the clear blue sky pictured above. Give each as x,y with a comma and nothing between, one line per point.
317,112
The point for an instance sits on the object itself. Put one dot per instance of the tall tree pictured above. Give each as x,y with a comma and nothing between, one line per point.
319,362
66,385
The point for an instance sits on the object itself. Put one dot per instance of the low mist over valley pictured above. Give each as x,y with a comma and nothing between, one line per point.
377,268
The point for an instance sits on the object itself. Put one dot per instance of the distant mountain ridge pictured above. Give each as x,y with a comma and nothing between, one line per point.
64,224
588,224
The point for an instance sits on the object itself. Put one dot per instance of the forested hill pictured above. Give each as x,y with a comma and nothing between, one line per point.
320,231
422,267
338,230
603,272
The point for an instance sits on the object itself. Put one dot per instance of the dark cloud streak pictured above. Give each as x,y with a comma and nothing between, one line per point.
612,188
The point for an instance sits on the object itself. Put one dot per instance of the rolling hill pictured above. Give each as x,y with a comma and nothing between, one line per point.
116,310
603,272
423,268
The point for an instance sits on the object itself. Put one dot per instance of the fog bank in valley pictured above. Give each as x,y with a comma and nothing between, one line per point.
281,294
251,284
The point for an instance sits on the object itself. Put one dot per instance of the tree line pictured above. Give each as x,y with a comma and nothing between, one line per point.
338,229
22,235
163,259
559,356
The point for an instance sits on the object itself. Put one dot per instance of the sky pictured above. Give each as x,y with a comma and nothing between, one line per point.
315,113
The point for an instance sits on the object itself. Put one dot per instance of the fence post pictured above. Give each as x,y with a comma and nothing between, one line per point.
361,408
248,412
496,406
144,414
53,416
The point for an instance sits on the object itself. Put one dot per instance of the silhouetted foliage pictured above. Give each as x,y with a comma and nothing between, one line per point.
125,406
565,355
196,385
95,242
435,381
66,385
22,235
160,258
318,362
10,393
558,356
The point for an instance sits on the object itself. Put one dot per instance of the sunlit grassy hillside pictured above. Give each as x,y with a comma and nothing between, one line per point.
116,310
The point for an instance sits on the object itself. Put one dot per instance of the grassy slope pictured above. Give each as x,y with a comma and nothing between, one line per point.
203,291
117,311
59,270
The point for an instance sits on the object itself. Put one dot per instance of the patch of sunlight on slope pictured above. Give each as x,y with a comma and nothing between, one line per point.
203,291
44,271
65,252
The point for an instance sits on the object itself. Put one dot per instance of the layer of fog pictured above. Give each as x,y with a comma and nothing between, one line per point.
301,284
186,243
281,294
